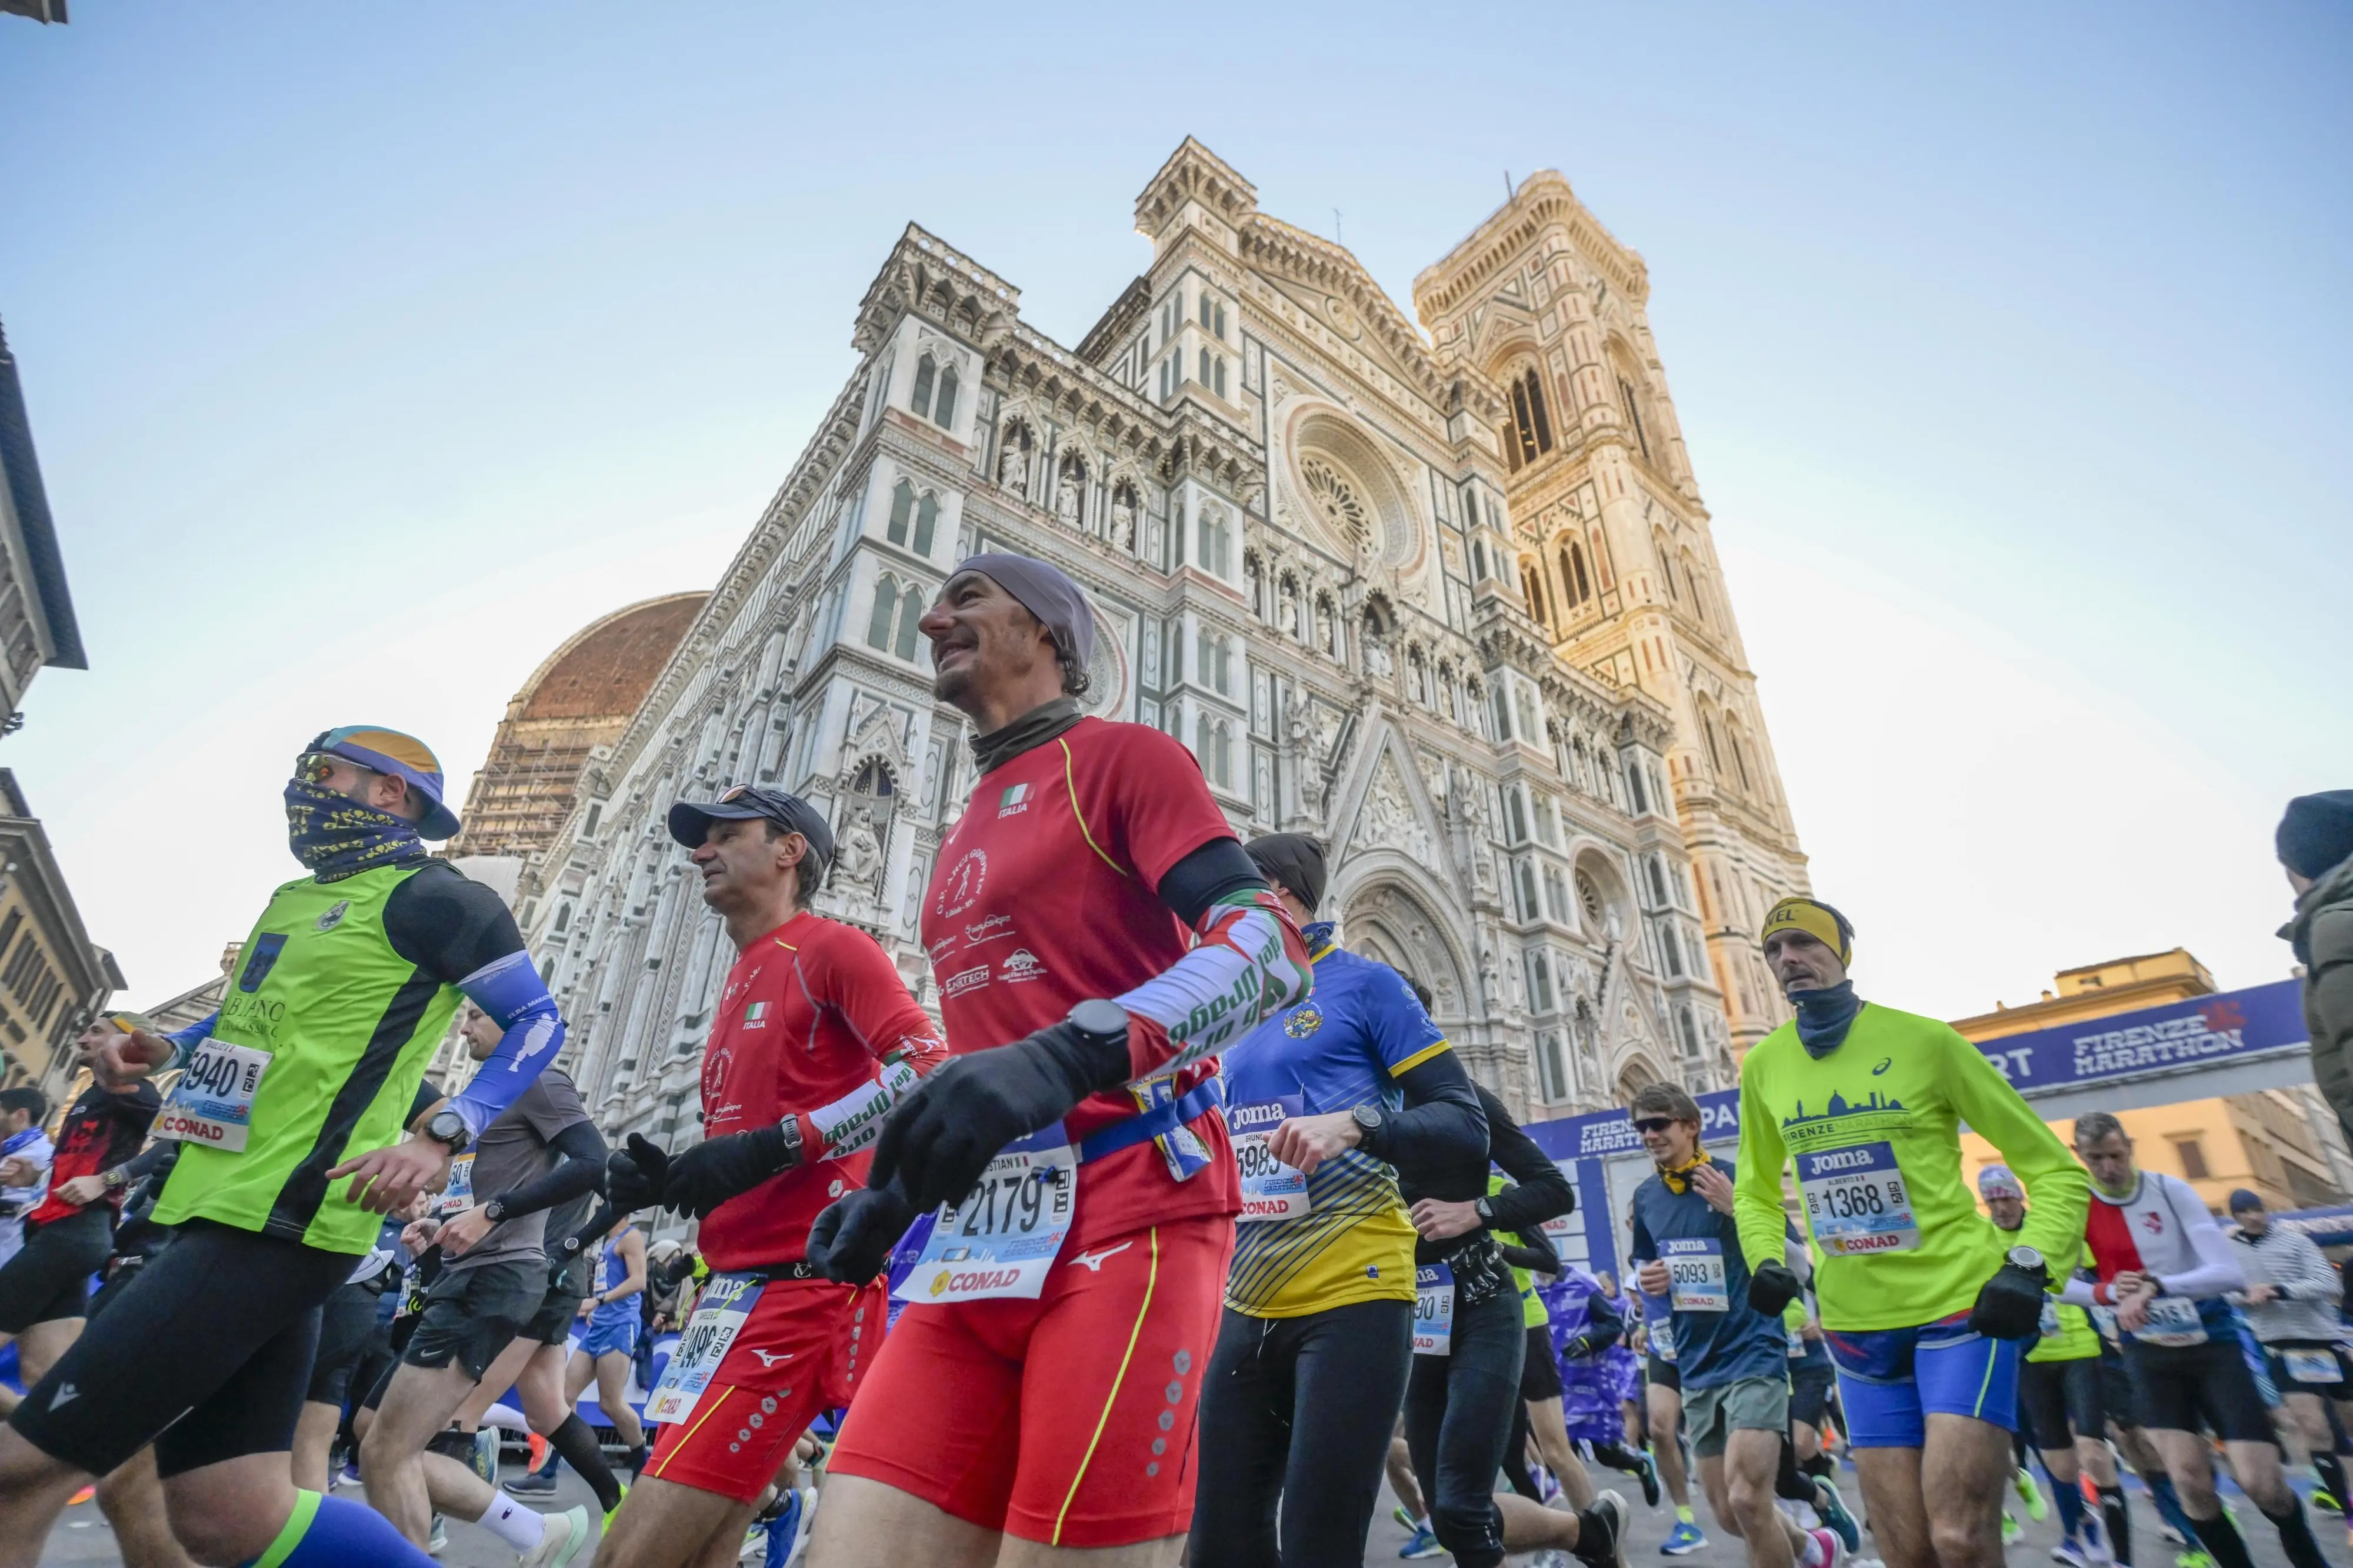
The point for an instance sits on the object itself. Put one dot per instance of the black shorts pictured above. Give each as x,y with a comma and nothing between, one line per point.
472,1314
1664,1375
346,1324
2117,1400
553,1322
1539,1373
205,1354
2313,1358
2060,1401
50,1279
1810,1391
2178,1387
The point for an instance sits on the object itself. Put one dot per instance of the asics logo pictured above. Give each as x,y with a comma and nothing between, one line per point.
1094,1260
770,1358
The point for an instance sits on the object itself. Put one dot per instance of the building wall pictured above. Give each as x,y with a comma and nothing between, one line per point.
53,978
1281,504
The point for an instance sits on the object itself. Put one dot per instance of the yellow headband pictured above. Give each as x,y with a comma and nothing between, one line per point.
1820,921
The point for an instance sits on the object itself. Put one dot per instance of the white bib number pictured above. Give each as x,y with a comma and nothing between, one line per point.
213,1102
1004,1238
1695,1274
2172,1320
1270,1189
1662,1339
2048,1325
1856,1202
1433,1309
727,1301
2312,1367
458,1196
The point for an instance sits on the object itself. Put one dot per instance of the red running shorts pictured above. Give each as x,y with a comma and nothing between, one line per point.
1067,1420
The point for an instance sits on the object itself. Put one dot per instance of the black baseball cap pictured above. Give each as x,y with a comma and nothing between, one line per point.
689,821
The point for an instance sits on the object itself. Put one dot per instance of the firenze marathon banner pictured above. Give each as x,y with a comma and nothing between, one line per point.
2204,1031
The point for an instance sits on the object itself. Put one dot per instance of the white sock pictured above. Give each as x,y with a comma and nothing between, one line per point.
514,1524
506,1417
1813,1557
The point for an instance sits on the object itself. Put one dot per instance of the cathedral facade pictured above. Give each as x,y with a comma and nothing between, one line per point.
1445,597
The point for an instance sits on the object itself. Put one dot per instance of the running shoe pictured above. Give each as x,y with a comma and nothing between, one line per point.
2171,1536
439,1537
1404,1517
2030,1494
349,1476
1422,1543
533,1482
1649,1476
1831,1506
2192,1560
1603,1542
1682,1540
2094,1534
2010,1529
539,1448
2072,1556
1833,1549
82,1495
1548,1488
486,1455
566,1533
606,1528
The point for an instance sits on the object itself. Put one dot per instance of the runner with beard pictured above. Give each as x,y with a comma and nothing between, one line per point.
1099,935
815,1038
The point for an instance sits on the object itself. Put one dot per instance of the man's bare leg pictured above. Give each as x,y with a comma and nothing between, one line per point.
33,1491
1666,1415
497,1378
1399,1465
663,1524
132,1497
420,1402
613,1399
1899,1515
1550,1429
39,1348
1531,1527
1742,1504
1971,1460
2096,1461
314,1443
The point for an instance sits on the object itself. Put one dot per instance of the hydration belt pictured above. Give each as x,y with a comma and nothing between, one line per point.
1145,1125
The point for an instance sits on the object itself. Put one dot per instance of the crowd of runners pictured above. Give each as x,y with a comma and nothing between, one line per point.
1170,1242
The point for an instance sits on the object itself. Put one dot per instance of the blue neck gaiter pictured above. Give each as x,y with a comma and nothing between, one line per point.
336,837
1823,1017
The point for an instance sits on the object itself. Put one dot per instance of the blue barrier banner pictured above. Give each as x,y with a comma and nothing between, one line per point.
2200,1032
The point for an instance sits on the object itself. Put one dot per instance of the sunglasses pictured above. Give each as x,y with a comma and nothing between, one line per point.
1654,1123
318,767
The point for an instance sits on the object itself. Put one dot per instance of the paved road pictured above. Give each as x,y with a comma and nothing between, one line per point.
82,1537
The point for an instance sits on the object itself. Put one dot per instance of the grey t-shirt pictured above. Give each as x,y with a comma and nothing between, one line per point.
514,1150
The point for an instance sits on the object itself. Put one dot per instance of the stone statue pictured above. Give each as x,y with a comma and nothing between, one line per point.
1377,655
1122,518
858,866
1066,495
1013,463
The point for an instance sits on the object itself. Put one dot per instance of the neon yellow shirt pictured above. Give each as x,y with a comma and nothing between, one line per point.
1872,1131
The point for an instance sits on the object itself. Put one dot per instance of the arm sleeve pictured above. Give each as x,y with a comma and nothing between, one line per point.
461,933
2058,1191
185,1041
580,1171
1642,1248
1756,1207
1603,1321
1441,1122
141,1165
2078,1292
1248,962
510,991
865,990
1543,1192
2217,1272
1535,1259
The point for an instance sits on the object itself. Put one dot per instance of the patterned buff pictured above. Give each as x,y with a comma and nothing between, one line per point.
1678,1177
336,837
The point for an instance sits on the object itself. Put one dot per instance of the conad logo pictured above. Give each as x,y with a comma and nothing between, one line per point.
191,1127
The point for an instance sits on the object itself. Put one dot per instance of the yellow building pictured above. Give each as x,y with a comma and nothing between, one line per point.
2281,1142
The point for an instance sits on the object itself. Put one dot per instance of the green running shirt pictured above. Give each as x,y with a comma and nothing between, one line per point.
1872,1131
350,1026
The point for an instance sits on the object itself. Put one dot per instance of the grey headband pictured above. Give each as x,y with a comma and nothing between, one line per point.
1045,593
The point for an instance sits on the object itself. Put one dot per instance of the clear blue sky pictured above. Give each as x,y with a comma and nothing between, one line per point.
370,352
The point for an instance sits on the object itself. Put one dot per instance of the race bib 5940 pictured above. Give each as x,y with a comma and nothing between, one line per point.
213,1102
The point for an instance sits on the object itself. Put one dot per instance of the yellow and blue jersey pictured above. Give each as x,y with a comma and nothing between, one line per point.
1344,1046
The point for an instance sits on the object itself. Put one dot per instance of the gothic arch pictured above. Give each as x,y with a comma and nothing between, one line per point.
1386,915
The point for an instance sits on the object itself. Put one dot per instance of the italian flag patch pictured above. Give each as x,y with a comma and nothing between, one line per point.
755,1012
1014,796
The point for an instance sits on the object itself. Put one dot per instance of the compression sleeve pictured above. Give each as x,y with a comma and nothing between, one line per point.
1441,1122
185,1041
1604,1323
2058,1189
578,1173
1543,1192
863,988
1642,1248
1247,963
510,991
1757,1178
1535,1259
2216,1272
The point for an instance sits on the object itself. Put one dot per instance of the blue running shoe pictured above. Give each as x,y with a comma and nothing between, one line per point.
1422,1543
1682,1540
1832,1507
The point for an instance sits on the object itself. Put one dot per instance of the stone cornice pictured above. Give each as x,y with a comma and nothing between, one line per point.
1544,198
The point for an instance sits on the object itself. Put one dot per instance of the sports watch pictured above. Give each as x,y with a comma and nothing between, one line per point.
2028,1259
449,1129
1370,1120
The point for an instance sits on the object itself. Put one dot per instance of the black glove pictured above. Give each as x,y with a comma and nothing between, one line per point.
1772,1288
1576,1347
852,1239
634,1177
2010,1305
945,1132
717,1169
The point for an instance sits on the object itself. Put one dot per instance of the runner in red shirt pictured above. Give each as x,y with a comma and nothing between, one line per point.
1098,934
813,1039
